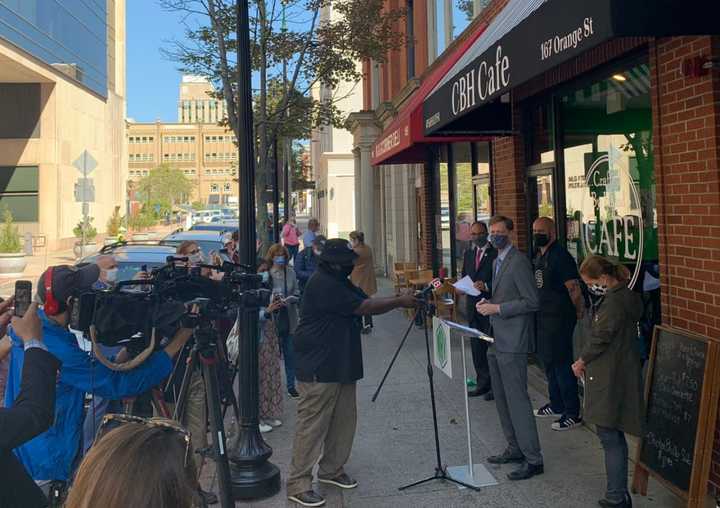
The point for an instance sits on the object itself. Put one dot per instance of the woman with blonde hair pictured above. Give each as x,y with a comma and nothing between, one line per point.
610,364
143,463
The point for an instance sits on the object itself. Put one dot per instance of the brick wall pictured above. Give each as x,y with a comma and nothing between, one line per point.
686,127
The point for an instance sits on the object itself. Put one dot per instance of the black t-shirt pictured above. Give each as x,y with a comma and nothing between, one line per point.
327,340
552,271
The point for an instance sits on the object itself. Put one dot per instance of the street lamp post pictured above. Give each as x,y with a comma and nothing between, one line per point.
253,476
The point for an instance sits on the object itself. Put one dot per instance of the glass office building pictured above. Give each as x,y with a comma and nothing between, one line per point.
69,35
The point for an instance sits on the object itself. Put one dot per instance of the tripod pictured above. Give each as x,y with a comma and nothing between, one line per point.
204,354
425,310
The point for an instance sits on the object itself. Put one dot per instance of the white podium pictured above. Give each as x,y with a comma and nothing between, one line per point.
473,474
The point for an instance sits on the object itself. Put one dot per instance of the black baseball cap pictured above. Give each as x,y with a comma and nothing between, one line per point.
68,281
338,251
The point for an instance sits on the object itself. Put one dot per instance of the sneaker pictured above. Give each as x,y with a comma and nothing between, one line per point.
545,412
567,423
274,423
342,480
293,394
308,498
264,427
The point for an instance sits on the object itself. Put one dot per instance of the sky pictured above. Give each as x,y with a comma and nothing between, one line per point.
152,80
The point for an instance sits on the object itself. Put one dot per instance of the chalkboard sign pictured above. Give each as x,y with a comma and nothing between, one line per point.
681,398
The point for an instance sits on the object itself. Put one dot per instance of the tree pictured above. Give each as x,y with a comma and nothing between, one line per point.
290,60
165,186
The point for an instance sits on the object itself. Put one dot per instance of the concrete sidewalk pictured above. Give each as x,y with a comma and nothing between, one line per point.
394,444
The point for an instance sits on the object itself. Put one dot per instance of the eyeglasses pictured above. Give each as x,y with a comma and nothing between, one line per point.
113,421
193,252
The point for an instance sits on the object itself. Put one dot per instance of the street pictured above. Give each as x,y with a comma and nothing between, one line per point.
394,443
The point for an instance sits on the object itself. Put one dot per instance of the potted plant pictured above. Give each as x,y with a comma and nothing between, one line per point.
114,224
12,258
85,232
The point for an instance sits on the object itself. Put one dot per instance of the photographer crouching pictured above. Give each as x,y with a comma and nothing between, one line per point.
328,353
51,457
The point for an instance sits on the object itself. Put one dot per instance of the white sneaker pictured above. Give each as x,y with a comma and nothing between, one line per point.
265,428
273,423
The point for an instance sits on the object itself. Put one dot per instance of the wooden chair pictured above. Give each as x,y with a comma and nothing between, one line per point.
399,275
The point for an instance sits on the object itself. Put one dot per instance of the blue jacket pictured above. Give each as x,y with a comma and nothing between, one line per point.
51,455
305,265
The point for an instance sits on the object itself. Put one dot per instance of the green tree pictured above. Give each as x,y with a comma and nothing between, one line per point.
165,186
9,235
291,60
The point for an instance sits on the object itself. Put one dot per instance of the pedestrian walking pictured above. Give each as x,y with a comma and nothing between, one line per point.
329,364
363,275
309,236
290,237
610,364
478,265
511,309
561,304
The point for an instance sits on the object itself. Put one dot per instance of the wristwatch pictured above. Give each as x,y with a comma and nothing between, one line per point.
34,343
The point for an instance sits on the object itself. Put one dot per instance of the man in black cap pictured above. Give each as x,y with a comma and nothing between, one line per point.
328,356
50,457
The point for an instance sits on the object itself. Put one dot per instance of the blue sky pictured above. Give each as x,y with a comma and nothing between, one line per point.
152,81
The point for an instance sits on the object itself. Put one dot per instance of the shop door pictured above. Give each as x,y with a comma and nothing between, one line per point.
541,194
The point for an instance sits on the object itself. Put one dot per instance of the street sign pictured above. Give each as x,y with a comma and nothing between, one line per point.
84,190
85,163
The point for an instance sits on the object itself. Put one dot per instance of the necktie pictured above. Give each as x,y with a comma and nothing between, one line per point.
478,258
498,262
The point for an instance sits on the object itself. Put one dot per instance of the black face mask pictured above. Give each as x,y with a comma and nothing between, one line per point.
541,239
342,271
480,240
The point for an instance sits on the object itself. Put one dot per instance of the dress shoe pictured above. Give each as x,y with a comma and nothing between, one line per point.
506,457
526,471
489,396
478,392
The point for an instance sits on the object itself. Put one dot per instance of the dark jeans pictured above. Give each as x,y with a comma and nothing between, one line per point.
293,251
616,463
286,344
563,389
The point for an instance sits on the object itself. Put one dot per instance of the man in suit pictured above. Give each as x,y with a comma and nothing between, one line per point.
31,414
477,264
511,309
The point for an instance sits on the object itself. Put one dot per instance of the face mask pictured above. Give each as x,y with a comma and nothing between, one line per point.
541,239
342,271
598,289
279,260
480,240
499,241
111,275
196,259
265,277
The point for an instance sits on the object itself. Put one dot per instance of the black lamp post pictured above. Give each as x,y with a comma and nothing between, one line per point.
253,476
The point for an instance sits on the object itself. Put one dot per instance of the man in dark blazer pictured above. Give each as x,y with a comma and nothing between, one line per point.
512,310
477,264
32,413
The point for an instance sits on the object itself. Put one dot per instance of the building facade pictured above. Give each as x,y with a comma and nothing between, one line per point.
62,92
608,125
203,150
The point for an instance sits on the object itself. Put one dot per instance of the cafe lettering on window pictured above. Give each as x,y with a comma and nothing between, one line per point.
610,222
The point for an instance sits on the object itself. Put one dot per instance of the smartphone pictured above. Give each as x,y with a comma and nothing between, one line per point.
23,297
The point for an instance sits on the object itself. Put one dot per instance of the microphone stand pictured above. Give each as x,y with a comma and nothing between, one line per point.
425,309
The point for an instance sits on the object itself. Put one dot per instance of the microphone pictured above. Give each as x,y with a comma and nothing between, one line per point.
434,284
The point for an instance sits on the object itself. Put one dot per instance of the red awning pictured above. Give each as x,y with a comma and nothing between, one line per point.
403,141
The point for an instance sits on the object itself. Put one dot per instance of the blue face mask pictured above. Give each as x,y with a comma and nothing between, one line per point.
279,260
265,277
499,241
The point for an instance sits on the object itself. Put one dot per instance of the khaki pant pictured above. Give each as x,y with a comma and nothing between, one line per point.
195,417
326,421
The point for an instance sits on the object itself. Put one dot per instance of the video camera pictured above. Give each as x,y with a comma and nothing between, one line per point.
132,309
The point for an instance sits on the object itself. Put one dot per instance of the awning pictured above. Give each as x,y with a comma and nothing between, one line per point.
530,37
403,141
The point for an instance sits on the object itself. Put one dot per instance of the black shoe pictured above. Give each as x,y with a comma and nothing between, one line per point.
506,457
308,498
343,481
626,503
478,392
208,498
489,396
526,471
293,393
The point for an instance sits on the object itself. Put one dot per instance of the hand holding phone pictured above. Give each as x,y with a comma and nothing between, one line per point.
23,297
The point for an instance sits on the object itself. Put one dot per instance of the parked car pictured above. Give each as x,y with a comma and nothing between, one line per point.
208,241
131,258
222,226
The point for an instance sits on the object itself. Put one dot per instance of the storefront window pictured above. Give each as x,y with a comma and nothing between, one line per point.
481,182
541,134
444,235
609,177
463,209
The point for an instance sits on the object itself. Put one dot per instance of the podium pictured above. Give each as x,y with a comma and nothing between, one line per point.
476,475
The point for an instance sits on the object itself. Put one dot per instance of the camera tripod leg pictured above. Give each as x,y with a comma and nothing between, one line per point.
397,352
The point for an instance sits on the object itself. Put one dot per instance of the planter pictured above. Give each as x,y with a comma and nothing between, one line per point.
109,240
84,250
12,264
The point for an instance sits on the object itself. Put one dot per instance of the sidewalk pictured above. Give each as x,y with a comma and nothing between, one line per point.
394,444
